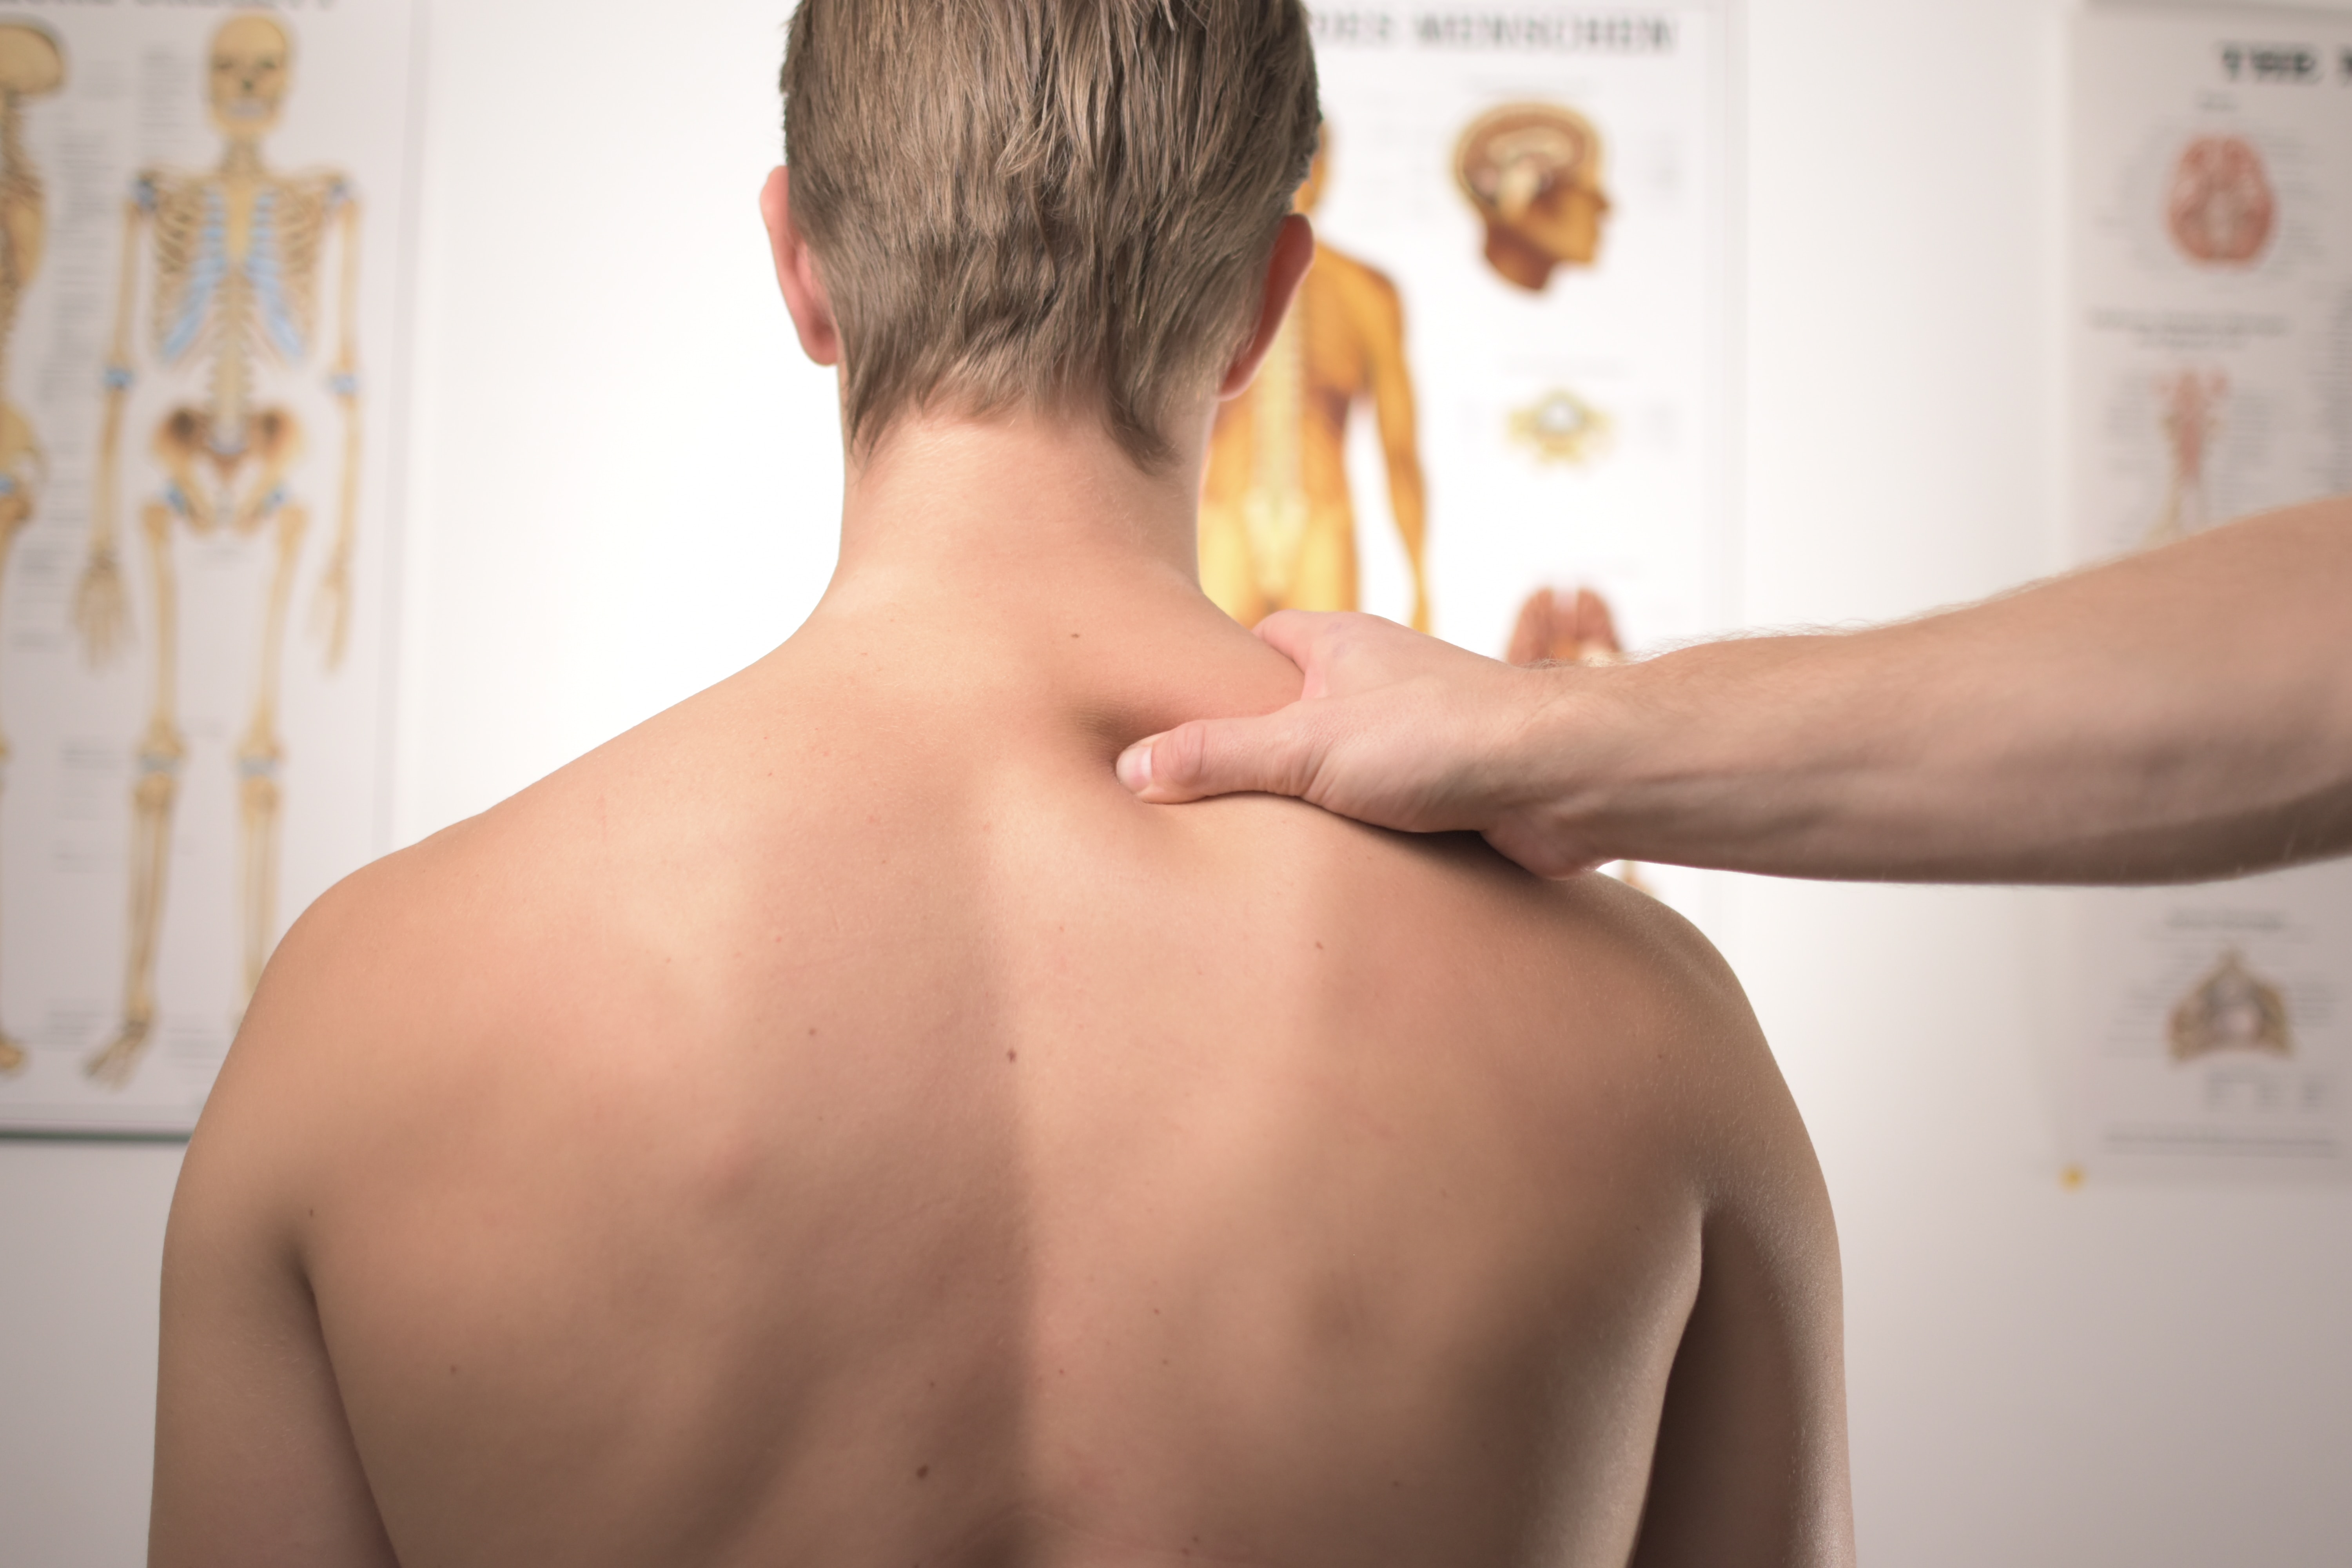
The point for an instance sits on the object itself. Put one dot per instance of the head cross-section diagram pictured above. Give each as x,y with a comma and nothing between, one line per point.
31,66
1533,172
232,258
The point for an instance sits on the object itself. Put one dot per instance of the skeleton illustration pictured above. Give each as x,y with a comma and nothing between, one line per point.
30,66
236,259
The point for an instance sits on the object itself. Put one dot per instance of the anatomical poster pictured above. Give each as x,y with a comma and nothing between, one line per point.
1497,409
2210,346
2213,1028
2211,232
201,316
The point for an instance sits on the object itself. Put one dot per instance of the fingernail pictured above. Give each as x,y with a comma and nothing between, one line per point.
1135,766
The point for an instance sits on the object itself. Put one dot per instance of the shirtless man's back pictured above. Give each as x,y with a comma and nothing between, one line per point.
837,1124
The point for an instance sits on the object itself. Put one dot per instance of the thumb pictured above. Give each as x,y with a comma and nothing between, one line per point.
1274,755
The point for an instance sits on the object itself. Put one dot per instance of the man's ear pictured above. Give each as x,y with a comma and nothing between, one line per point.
796,273
1293,253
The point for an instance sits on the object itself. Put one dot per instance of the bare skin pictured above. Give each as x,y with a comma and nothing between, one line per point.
2175,716
836,1124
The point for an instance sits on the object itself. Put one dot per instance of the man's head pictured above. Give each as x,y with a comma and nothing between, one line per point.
1046,204
250,61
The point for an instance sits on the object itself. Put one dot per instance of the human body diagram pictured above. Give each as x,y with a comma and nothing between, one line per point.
1277,520
2192,418
233,257
31,66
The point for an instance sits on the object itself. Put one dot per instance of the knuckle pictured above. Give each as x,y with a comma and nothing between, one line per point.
1303,768
1181,757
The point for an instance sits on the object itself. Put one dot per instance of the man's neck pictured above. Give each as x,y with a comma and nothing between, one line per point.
1035,559
1012,512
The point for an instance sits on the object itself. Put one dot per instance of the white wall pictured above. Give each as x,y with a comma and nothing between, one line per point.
2110,1376
622,488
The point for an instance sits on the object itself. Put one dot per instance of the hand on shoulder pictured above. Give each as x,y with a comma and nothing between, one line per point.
1392,728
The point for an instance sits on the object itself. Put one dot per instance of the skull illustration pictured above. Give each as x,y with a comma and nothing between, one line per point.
30,64
251,62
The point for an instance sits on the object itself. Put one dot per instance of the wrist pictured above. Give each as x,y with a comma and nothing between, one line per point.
1549,765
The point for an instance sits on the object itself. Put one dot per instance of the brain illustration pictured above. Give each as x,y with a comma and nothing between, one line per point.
1511,158
2222,209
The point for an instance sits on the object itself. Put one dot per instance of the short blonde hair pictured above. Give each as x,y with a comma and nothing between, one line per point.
1045,202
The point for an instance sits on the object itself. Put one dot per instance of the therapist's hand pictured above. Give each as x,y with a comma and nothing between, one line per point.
1392,728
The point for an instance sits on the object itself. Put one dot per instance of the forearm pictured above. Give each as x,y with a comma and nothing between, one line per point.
2178,715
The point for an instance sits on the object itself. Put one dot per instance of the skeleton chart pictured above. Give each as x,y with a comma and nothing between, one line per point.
31,66
195,631
2208,1029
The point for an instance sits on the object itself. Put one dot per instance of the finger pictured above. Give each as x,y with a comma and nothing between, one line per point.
1295,634
1273,755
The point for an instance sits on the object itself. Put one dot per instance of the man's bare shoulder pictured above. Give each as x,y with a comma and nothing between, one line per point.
1593,999
484,931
